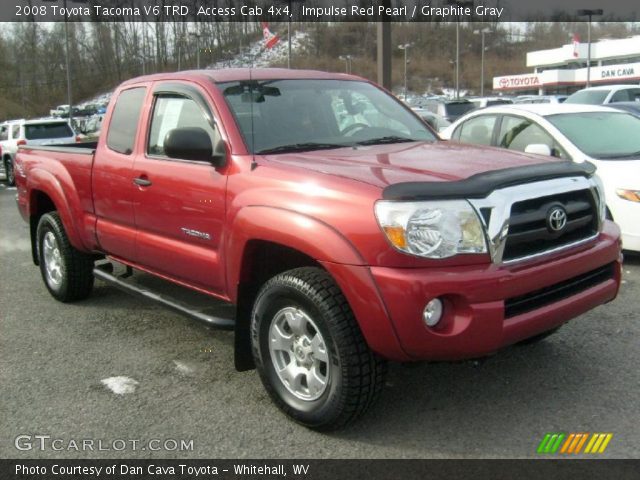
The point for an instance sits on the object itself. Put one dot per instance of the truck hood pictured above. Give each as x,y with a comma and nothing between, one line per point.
384,165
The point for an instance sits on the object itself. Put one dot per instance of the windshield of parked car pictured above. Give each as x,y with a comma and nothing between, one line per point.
457,109
601,135
42,131
279,116
589,97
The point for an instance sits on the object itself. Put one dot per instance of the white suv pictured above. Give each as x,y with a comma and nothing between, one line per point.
606,94
30,132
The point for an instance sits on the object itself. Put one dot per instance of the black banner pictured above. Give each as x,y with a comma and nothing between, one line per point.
320,469
316,10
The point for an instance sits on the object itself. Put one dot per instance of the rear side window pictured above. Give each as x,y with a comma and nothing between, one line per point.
124,121
44,131
15,131
478,130
4,133
626,95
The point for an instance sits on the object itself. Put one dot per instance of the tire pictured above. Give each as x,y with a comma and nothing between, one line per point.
333,375
9,172
67,272
538,338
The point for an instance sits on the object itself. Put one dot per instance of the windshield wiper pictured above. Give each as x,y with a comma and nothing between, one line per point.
388,139
623,155
301,147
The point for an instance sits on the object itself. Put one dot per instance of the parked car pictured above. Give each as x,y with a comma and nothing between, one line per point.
608,138
631,107
605,94
542,99
31,132
483,102
339,247
434,120
60,111
449,109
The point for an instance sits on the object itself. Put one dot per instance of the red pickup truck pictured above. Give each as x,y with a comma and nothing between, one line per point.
344,231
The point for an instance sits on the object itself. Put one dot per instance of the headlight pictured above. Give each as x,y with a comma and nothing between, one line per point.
432,229
631,195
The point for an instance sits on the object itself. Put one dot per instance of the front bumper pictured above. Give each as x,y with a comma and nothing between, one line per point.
474,323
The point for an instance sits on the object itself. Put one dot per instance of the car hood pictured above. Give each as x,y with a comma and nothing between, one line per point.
384,165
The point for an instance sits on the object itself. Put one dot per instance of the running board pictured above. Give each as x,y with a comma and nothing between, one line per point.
105,273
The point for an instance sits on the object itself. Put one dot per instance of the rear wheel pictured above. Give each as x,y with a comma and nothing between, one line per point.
310,353
9,172
67,272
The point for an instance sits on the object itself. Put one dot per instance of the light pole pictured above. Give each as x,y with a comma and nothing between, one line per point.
347,60
589,13
405,47
482,33
197,37
462,4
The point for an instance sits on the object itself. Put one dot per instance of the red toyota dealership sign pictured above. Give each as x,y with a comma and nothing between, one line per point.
518,81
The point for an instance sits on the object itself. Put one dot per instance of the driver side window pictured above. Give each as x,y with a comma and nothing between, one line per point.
516,133
173,111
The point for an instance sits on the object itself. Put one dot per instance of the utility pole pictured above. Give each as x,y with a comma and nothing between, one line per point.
66,59
405,47
462,4
197,37
589,13
482,33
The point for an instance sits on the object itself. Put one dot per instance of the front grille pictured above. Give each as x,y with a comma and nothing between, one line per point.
530,301
529,233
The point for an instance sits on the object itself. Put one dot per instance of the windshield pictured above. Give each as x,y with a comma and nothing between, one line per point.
457,109
278,116
601,135
44,131
589,97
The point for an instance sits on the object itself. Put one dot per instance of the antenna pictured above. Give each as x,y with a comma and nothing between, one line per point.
253,131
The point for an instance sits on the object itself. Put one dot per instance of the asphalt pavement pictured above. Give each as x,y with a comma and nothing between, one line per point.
182,385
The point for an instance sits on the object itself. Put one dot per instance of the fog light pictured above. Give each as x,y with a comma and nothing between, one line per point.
432,312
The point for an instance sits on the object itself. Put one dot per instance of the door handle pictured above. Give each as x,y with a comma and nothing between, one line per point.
142,181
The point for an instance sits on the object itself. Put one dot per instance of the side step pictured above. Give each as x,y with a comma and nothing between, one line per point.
105,272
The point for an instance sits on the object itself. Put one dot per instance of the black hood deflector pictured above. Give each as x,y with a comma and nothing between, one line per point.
482,184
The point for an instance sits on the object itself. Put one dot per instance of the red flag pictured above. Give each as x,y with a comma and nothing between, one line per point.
269,38
576,44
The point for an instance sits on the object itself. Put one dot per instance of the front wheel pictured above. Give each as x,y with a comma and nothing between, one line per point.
67,272
309,351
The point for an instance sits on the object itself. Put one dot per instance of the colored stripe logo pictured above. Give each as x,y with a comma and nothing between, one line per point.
573,443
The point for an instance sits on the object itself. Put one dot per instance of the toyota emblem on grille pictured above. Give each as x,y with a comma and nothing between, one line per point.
556,219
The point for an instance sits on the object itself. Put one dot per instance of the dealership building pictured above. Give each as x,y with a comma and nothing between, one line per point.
564,70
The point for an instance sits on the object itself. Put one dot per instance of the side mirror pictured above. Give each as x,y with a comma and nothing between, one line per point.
193,143
538,149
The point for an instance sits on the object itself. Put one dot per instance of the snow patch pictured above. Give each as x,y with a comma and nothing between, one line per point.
183,368
120,385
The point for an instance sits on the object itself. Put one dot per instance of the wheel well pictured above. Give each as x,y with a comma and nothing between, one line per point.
40,204
261,261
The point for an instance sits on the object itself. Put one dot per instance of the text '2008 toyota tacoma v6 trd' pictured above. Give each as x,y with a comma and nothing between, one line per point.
342,229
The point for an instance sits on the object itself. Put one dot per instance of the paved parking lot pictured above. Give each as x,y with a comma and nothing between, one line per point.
54,356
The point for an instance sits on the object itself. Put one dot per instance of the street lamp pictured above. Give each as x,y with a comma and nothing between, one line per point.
458,3
482,34
589,13
197,37
405,47
347,59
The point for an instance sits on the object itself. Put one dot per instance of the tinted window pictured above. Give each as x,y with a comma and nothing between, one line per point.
171,112
45,131
124,121
517,133
15,131
4,132
456,110
590,97
478,130
626,95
